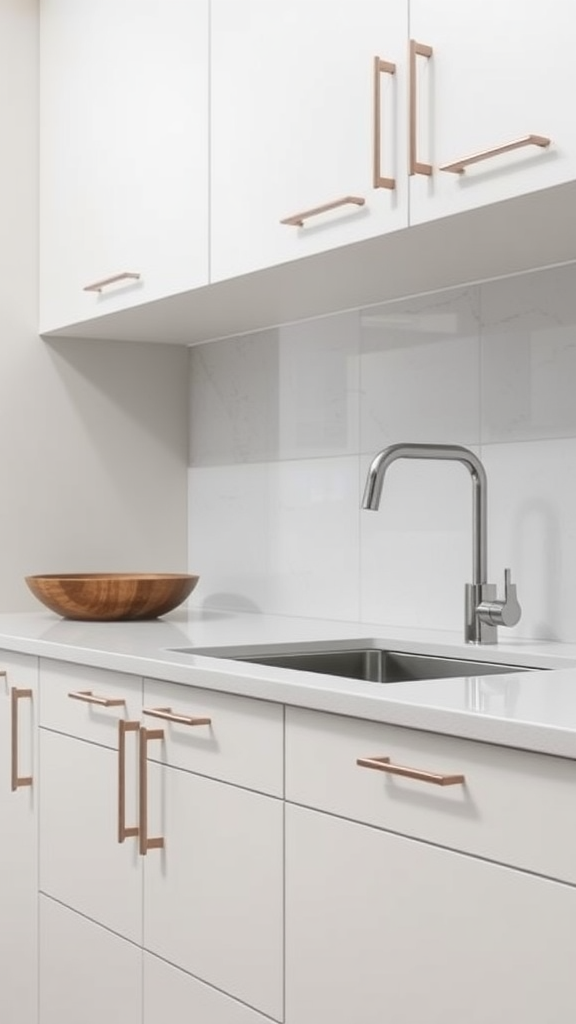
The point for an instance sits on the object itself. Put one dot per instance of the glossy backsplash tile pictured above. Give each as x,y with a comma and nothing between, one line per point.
283,425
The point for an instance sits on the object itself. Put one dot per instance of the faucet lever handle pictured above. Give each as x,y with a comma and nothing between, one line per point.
505,612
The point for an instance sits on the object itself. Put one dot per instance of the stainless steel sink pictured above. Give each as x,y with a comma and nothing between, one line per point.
373,664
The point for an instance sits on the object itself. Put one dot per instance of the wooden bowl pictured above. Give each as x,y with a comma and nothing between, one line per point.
112,596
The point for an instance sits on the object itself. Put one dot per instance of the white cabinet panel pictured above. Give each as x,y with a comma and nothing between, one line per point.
511,807
242,743
87,974
88,718
82,864
384,928
213,896
19,840
123,151
172,996
499,72
292,127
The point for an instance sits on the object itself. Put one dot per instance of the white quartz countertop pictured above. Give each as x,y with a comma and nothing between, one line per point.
531,710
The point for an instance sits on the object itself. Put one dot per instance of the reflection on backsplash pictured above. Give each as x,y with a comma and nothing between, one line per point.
284,422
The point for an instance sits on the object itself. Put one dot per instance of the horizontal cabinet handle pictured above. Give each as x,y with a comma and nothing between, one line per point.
382,764
97,286
171,716
297,219
459,166
103,702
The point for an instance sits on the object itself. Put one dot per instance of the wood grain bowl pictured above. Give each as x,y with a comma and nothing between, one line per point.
112,596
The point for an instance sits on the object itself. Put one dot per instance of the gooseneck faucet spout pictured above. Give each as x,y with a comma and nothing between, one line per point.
483,612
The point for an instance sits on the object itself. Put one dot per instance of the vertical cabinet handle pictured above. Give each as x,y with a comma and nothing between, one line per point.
146,843
416,165
124,831
16,695
380,67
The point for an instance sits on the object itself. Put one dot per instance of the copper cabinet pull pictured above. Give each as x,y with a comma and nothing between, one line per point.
170,716
98,286
382,764
124,831
416,165
146,843
103,702
459,166
380,67
297,219
17,781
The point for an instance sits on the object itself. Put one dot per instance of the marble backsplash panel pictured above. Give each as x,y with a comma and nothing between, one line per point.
283,424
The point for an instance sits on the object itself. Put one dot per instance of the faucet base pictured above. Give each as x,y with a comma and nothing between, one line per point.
477,631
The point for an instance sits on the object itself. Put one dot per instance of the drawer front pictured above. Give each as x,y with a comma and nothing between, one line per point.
513,807
233,739
102,699
171,995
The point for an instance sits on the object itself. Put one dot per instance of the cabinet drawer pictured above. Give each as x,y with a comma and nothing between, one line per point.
242,743
170,994
87,974
93,718
513,807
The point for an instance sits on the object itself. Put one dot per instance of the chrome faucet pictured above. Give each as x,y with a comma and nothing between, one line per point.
484,612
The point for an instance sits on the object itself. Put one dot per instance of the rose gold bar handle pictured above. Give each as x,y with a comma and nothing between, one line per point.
297,219
18,781
382,764
170,716
98,286
146,843
102,702
380,67
124,831
459,166
415,165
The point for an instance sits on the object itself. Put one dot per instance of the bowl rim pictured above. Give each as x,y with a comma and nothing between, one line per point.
113,576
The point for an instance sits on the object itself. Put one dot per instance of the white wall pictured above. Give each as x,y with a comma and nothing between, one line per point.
284,423
93,437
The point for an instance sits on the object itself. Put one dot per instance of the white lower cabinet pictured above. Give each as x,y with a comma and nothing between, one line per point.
88,975
213,896
173,997
384,928
82,864
18,839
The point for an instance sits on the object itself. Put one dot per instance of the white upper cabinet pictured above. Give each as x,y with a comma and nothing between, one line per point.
124,154
499,73
297,111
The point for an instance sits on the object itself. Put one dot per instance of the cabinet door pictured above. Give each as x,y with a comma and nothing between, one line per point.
213,895
87,974
292,127
82,863
124,153
499,72
19,844
382,928
171,995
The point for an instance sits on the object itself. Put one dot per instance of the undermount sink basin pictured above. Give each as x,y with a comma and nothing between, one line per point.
371,664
